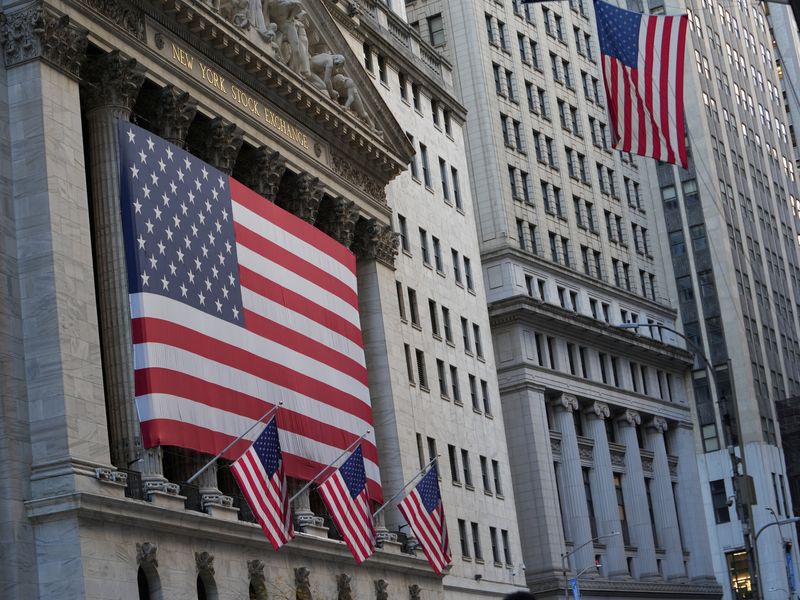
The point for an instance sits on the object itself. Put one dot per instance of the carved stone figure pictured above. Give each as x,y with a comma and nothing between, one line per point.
204,562
255,569
346,88
301,62
301,584
322,70
284,14
146,554
381,589
414,592
345,591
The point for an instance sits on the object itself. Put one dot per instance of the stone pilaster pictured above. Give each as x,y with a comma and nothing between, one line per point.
666,517
174,113
301,195
634,495
573,495
338,217
601,479
262,170
221,144
373,241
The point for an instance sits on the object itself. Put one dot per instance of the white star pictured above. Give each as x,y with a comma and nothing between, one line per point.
145,279
198,185
205,251
215,272
194,230
187,163
149,226
202,218
208,206
187,241
131,136
146,191
235,313
201,298
191,198
172,269
161,247
183,290
224,215
158,213
208,284
134,171
180,175
184,208
205,173
191,277
231,278
137,206
211,238
164,282
221,182
225,292
169,153
140,239
153,261
221,259
218,226
168,231
219,305
197,263
214,193
142,157
173,188
162,165
165,199
151,145
154,178
227,248
180,255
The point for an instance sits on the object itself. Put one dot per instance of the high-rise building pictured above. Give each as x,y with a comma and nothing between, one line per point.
731,226
599,421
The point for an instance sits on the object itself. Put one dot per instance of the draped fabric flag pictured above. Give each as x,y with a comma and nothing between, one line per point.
643,70
261,478
423,511
345,496
235,305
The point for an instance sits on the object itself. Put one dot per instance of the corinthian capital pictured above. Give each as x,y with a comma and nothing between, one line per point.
301,194
111,80
337,217
373,241
174,114
262,170
222,144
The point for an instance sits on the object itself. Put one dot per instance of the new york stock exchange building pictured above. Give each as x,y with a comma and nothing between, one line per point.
269,94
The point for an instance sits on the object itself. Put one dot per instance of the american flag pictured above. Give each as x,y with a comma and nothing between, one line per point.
423,511
345,495
643,70
237,305
259,472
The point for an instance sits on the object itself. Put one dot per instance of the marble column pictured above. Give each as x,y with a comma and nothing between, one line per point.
573,495
601,478
688,498
666,517
634,495
109,89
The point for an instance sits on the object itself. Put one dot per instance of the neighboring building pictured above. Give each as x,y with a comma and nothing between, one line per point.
599,420
731,225
789,419
86,512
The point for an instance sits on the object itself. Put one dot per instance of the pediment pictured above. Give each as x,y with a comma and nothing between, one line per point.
296,52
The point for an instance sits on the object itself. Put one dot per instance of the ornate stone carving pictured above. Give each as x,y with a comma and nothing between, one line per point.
301,194
566,402
659,424
301,584
262,171
175,112
618,458
586,452
555,446
631,417
373,241
111,80
216,499
345,169
381,589
599,410
146,554
37,33
122,14
222,144
647,464
414,592
344,590
337,217
673,466
255,571
204,562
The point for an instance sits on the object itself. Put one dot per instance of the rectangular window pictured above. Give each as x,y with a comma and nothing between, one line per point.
719,499
441,373
436,30
423,244
437,253
495,546
456,189
487,485
426,171
451,454
466,468
498,489
400,303
409,364
448,332
476,542
468,274
476,332
462,534
443,175
422,372
506,546
412,306
473,393
456,266
465,335
403,226
487,406
455,388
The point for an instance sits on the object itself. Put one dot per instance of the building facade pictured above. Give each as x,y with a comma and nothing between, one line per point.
599,420
90,512
731,227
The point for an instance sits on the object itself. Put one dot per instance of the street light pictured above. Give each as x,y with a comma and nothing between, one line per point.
566,555
744,490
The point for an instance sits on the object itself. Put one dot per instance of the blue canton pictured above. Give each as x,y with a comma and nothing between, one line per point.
178,226
352,471
428,489
618,32
268,448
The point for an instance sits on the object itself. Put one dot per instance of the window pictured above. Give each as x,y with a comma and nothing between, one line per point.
382,69
423,244
443,176
400,304
422,373
621,509
466,468
495,547
455,388
465,335
498,489
473,393
476,542
416,97
409,364
412,306
434,317
437,254
436,30
448,332
413,164
426,171
456,266
442,375
487,486
462,534
506,546
468,274
456,189
451,454
476,331
719,500
487,407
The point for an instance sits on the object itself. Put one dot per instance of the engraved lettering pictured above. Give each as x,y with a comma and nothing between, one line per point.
183,57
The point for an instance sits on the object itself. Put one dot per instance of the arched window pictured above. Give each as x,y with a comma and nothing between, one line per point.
149,583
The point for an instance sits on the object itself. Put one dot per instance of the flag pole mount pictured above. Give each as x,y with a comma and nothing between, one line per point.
405,487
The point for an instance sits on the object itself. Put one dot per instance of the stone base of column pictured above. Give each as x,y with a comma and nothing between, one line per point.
309,523
167,500
226,513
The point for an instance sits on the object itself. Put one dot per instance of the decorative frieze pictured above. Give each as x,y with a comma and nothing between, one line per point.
122,14
337,217
111,80
262,170
301,194
373,241
35,33
345,169
174,114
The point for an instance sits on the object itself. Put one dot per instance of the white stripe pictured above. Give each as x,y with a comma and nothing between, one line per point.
297,246
301,324
161,307
175,408
672,61
258,504
631,85
349,521
423,529
297,283
641,86
659,142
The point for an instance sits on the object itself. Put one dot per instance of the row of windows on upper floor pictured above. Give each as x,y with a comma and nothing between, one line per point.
463,276
498,36
448,176
720,497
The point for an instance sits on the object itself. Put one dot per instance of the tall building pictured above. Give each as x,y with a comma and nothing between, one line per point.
599,420
731,227
276,94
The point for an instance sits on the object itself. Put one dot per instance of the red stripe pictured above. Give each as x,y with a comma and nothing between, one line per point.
297,227
428,534
641,111
652,127
247,474
299,304
272,330
625,84
165,432
165,332
295,264
681,59
664,87
613,102
344,510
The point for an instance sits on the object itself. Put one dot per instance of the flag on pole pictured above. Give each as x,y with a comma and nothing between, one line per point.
423,511
262,480
237,304
643,70
345,495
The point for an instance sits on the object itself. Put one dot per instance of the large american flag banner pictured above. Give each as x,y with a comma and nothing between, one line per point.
423,511
236,305
261,478
345,495
643,70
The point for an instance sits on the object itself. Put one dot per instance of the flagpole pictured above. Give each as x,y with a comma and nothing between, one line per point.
229,446
402,489
330,464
